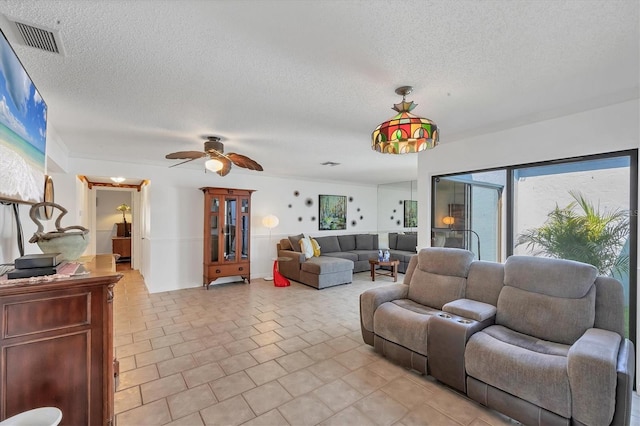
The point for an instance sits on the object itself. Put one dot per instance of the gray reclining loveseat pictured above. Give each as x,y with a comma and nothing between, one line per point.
540,340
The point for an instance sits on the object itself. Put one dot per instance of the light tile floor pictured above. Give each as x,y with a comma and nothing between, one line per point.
262,355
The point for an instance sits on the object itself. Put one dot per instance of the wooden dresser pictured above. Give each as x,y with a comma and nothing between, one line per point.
121,246
56,345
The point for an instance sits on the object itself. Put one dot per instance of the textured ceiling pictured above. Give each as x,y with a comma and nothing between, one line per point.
293,84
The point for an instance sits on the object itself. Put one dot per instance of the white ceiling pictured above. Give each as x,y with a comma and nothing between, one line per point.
293,84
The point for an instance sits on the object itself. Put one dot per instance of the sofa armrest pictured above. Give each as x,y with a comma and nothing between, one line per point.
371,299
293,255
624,387
592,367
291,268
446,344
471,309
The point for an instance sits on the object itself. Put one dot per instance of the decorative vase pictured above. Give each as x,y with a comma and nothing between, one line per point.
71,241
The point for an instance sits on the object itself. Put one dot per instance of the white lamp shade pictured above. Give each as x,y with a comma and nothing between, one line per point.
213,165
270,221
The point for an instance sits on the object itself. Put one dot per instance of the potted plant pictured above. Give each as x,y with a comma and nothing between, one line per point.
582,232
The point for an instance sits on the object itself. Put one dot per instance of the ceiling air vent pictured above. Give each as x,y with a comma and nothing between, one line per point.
39,38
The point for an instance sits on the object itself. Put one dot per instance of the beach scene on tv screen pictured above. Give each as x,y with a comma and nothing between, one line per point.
23,120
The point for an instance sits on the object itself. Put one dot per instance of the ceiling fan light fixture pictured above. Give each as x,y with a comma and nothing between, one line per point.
404,133
218,161
213,165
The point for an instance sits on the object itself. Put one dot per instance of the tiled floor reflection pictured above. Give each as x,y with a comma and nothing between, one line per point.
262,355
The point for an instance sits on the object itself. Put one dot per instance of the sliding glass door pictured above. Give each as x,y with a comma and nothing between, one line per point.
579,208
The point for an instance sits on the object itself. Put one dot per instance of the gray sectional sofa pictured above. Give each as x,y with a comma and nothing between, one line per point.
403,247
540,340
341,256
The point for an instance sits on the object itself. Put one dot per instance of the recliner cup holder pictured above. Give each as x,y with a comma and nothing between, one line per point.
444,315
464,321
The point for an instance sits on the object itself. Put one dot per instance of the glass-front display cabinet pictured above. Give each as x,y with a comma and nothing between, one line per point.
227,220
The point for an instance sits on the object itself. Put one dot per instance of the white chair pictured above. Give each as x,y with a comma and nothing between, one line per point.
44,416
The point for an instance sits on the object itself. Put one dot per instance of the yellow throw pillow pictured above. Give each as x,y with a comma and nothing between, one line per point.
306,247
316,247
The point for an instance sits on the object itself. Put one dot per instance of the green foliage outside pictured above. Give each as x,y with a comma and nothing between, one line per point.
580,231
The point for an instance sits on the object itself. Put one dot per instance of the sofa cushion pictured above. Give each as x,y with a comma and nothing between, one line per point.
349,255
440,276
527,342
510,365
402,326
366,242
326,265
306,248
407,242
484,282
316,247
393,240
328,244
365,254
552,299
445,261
347,242
402,256
556,319
416,307
295,242
553,277
609,299
435,290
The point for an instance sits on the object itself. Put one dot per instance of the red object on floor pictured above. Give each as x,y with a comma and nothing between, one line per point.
278,279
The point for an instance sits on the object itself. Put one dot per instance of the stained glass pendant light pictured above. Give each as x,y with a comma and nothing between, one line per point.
405,132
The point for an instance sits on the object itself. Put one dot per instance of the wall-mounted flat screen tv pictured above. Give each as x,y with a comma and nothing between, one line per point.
23,131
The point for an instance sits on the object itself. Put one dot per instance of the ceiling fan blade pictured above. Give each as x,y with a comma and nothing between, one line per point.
226,166
181,155
182,162
244,161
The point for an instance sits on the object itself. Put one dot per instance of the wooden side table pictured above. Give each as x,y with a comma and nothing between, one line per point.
392,273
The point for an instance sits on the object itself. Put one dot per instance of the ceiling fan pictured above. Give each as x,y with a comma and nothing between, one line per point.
218,161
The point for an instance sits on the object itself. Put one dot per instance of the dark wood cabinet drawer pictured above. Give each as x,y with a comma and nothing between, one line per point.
45,314
241,269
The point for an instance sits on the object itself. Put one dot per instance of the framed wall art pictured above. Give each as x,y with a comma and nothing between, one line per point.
332,212
410,213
